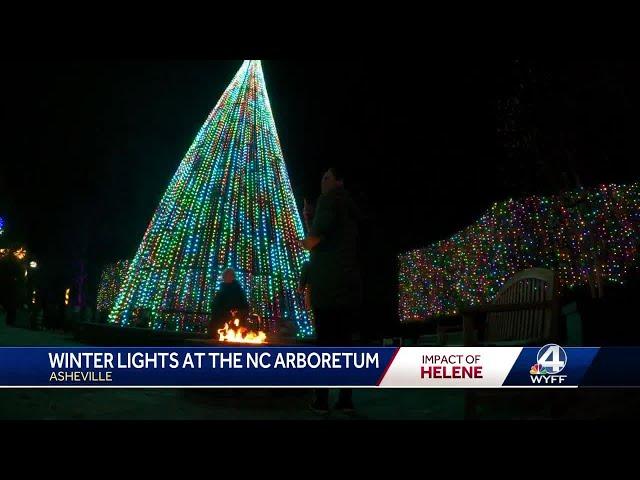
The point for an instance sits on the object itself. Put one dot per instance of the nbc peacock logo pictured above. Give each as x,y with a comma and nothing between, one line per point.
537,369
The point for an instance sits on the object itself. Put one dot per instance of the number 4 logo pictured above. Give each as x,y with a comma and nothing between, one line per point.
552,358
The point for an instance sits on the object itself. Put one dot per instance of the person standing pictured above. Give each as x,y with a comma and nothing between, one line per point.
229,297
334,274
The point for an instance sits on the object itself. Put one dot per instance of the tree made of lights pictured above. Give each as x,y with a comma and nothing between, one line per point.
582,235
229,205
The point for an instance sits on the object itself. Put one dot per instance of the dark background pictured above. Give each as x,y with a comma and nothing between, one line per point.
427,145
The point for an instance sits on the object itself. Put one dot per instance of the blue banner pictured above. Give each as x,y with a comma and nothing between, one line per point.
614,367
550,366
192,367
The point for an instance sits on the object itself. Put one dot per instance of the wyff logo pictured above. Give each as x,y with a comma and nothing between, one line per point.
551,361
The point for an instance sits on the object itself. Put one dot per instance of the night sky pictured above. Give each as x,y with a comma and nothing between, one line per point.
427,145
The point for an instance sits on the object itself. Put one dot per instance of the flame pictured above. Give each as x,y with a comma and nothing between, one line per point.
240,334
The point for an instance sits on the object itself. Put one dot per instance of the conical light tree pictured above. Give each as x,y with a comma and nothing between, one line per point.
229,205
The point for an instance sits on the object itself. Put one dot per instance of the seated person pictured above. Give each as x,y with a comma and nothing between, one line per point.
230,297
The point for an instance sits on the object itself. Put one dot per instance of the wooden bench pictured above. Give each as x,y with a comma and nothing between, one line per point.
525,312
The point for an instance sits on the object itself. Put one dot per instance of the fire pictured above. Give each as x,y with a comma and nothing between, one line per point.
240,334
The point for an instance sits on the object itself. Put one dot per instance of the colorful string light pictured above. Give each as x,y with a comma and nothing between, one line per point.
229,205
1,225
110,282
580,234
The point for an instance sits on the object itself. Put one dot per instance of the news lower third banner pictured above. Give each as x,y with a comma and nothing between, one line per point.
551,366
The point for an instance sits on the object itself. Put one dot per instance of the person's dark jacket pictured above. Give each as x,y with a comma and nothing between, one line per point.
229,296
334,274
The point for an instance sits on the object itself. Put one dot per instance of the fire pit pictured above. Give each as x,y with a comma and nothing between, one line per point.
238,334
259,331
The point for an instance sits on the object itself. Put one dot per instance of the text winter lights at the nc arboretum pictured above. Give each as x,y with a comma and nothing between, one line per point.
232,360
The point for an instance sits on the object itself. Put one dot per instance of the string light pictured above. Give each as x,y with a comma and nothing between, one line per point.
229,205
1,225
581,234
110,282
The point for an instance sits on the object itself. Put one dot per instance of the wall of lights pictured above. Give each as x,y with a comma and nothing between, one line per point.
229,204
580,234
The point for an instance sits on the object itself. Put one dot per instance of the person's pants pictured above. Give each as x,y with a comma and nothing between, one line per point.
333,329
